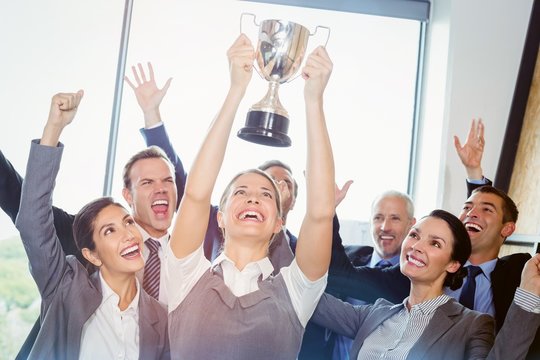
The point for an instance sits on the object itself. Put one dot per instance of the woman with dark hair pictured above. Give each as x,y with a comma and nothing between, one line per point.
233,308
104,315
430,324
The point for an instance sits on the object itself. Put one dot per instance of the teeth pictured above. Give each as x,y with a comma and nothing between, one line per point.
386,237
250,214
473,226
129,249
160,202
416,262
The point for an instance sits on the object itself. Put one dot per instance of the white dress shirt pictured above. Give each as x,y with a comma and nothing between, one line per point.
111,333
184,274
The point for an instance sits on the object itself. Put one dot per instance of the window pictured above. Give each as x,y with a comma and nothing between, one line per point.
63,46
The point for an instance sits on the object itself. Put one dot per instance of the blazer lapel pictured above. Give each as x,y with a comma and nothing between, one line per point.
148,335
373,320
442,321
87,302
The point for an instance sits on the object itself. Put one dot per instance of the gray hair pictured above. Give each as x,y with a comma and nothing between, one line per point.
396,194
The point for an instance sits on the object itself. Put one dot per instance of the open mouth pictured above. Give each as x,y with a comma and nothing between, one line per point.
251,215
160,206
415,262
131,252
472,227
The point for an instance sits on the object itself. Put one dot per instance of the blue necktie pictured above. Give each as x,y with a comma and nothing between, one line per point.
383,264
152,268
467,294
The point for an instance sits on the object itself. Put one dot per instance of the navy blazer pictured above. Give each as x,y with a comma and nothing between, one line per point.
454,332
69,294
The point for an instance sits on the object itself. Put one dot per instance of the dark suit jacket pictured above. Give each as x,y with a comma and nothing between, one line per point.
358,254
454,332
69,294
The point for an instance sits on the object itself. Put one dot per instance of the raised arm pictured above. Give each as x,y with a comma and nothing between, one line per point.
362,282
314,241
522,320
192,219
35,219
149,97
10,198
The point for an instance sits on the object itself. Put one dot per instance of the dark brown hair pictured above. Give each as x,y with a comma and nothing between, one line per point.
151,152
83,225
510,211
461,249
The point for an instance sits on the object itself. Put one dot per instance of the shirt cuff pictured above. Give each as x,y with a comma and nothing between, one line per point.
481,181
527,301
154,126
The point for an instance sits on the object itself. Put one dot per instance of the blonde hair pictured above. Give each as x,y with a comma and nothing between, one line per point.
227,192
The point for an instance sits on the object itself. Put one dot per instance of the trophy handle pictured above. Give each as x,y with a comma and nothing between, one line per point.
322,27
310,34
250,14
241,32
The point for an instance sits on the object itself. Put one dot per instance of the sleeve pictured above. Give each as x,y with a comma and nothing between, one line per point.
10,198
340,317
183,274
158,136
35,219
512,342
10,188
305,294
471,185
362,282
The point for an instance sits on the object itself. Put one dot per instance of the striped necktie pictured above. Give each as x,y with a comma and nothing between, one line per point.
152,268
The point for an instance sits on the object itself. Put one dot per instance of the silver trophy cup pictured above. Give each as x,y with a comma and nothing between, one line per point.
280,50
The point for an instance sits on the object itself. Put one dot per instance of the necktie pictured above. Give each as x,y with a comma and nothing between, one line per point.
383,264
467,293
152,268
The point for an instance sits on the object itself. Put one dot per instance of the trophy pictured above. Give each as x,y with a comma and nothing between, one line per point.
280,50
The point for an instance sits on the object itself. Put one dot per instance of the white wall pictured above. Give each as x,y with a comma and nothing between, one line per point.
474,51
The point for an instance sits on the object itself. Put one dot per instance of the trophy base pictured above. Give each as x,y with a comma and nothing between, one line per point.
266,128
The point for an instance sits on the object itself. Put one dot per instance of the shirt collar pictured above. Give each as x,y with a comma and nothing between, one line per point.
110,297
162,240
375,258
487,267
263,266
427,307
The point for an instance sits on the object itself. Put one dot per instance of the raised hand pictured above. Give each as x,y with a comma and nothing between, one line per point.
148,95
530,276
342,193
471,152
63,109
316,72
241,55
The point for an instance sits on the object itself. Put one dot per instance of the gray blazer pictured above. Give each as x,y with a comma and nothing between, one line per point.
454,332
69,295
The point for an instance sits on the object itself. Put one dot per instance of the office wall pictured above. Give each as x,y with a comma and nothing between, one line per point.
473,56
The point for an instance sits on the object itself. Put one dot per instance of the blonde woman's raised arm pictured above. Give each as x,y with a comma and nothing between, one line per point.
192,220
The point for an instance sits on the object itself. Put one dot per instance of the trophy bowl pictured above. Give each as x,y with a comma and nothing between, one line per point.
280,50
